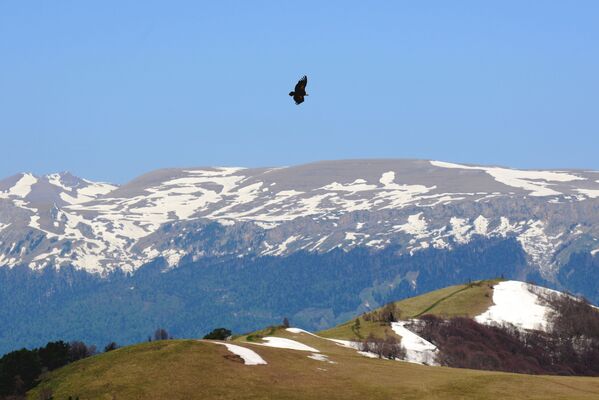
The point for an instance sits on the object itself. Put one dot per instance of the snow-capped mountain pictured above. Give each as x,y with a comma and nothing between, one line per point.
59,219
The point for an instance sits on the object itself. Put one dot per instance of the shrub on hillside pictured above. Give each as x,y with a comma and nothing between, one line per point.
79,350
218,334
20,370
160,334
111,346
389,313
464,343
389,347
54,355
573,317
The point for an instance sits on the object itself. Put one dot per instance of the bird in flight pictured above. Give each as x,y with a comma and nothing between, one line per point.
300,90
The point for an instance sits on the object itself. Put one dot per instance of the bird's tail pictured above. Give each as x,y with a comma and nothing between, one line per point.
291,93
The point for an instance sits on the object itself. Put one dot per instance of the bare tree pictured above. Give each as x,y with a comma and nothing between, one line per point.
389,313
393,349
79,350
389,347
356,327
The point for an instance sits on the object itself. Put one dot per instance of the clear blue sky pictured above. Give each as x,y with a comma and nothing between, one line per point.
111,89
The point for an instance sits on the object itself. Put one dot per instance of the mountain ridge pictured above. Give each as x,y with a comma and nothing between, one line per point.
310,206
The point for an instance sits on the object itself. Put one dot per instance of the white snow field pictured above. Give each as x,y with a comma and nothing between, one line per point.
418,350
23,186
282,343
536,182
515,304
250,357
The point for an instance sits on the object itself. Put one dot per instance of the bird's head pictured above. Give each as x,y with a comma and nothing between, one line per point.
291,93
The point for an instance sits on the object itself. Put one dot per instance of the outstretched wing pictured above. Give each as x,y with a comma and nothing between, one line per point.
298,98
301,86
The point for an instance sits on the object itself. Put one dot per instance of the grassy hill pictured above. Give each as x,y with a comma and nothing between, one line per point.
191,369
461,300
197,369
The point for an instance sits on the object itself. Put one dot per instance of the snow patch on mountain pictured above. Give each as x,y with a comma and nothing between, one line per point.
537,244
87,193
415,226
56,180
388,181
459,229
481,225
351,236
592,193
216,171
537,182
8,261
359,185
173,256
21,188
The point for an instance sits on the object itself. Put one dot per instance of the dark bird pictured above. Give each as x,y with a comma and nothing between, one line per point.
300,90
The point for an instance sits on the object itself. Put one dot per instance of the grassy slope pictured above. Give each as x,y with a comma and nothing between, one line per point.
257,336
186,369
460,300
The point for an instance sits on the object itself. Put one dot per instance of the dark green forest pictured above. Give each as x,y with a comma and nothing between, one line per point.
315,291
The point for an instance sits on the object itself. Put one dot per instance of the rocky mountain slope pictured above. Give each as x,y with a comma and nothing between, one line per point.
60,220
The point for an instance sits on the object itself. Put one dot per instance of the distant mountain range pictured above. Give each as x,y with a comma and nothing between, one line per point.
60,219
408,221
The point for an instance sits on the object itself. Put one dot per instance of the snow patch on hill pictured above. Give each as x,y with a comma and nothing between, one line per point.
250,357
283,343
516,304
321,357
418,350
